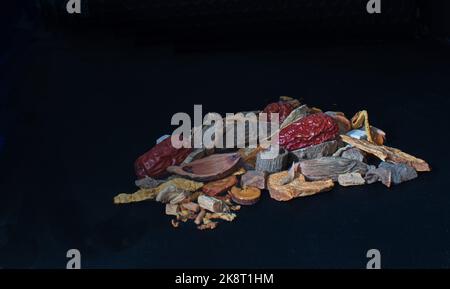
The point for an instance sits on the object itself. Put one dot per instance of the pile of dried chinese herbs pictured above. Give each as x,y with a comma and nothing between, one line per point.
317,151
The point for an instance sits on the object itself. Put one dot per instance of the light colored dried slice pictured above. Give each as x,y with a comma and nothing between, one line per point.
171,209
191,206
208,226
212,204
387,153
199,218
299,187
148,194
351,179
223,216
240,172
246,196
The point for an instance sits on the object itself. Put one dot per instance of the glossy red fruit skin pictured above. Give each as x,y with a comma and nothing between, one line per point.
310,130
155,162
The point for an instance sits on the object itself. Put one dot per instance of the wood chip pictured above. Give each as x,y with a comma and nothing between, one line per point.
171,210
331,168
254,179
324,149
223,216
299,187
386,153
216,187
175,223
271,165
191,206
212,204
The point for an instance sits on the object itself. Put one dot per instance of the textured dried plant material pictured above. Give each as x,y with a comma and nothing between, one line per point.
292,101
193,207
344,124
354,154
229,217
276,164
212,204
197,154
148,194
254,179
400,172
208,226
247,196
324,149
216,187
199,218
240,172
235,208
331,168
296,114
210,168
299,187
360,119
351,179
148,183
386,153
383,175
175,223
248,155
171,210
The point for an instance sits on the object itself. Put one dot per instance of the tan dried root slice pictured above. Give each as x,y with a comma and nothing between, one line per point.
208,226
299,187
175,223
246,196
217,187
172,209
199,218
148,194
191,206
229,217
386,153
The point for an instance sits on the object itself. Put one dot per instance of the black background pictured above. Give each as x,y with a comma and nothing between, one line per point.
80,106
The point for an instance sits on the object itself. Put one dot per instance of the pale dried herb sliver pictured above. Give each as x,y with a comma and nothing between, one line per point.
148,194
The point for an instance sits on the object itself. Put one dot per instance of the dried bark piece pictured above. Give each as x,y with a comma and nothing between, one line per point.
212,204
386,153
351,179
235,208
400,172
193,207
383,175
215,188
172,209
171,194
271,165
254,179
210,168
324,149
247,196
299,187
353,154
331,168
199,219
147,194
339,152
148,183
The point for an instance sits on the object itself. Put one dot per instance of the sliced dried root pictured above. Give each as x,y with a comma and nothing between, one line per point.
246,196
